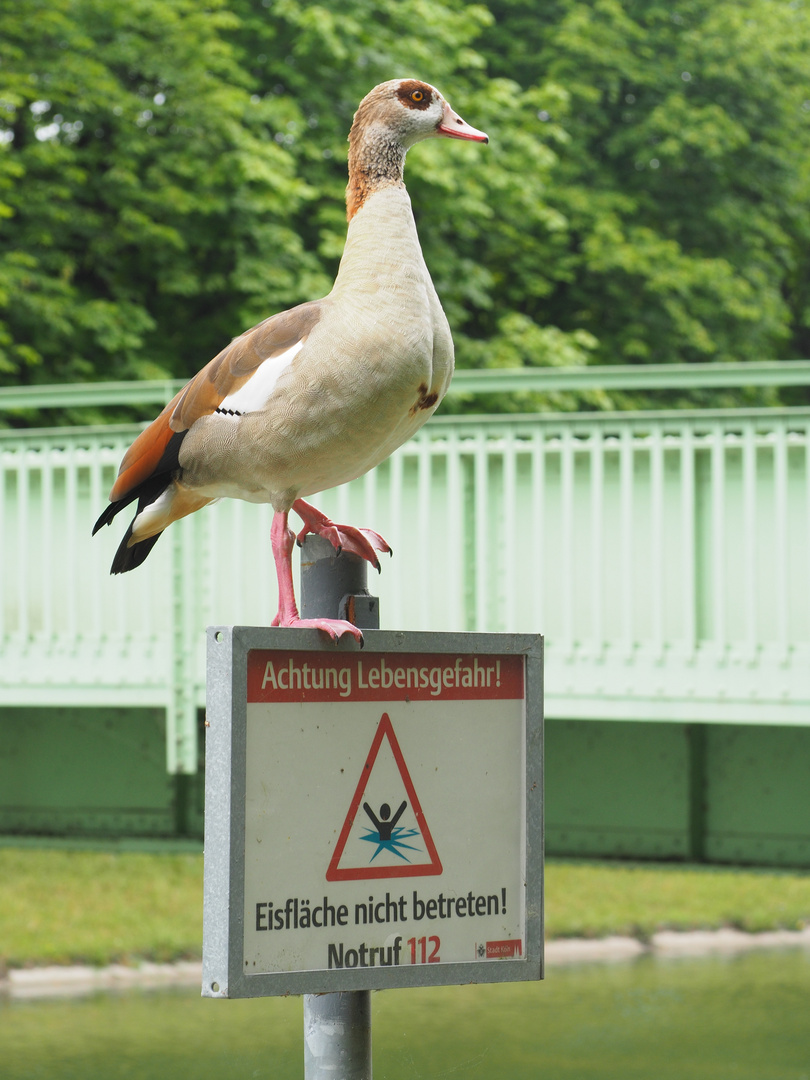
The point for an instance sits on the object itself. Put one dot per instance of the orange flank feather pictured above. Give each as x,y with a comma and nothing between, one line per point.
142,458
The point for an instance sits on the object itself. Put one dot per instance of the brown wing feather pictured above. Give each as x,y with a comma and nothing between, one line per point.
203,394
232,368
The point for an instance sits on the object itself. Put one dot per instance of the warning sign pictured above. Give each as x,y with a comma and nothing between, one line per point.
382,843
382,823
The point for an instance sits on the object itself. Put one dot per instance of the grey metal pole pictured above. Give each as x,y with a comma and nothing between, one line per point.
337,1036
337,1027
336,586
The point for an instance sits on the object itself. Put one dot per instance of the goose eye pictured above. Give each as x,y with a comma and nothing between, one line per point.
417,95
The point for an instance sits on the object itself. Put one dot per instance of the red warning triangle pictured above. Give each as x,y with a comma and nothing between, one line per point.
387,836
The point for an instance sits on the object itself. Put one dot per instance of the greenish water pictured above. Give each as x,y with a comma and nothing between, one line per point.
744,1018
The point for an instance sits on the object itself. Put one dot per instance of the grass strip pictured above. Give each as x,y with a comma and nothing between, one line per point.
94,907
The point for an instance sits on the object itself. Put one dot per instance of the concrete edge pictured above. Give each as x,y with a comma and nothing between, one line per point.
78,980
672,943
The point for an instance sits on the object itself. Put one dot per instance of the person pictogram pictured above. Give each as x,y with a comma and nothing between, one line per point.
386,835
385,827
391,834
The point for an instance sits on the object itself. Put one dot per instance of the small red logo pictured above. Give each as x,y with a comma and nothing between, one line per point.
498,950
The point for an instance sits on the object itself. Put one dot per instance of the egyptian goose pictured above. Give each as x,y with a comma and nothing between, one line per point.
318,395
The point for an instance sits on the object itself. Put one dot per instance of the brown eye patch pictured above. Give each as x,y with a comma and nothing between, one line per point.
414,95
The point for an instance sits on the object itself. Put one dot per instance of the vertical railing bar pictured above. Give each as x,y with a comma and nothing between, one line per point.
47,545
423,523
718,591
343,494
93,451
806,544
688,541
396,539
781,525
657,537
214,560
539,527
597,540
145,629
21,569
455,566
482,582
198,549
370,519
71,499
5,500
237,540
510,535
122,607
567,537
626,471
268,587
537,538
175,690
750,582
193,676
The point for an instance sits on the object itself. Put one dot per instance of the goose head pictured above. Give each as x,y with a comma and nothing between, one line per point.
407,111
390,119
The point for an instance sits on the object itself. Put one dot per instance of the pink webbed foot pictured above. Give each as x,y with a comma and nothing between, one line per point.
283,539
364,543
335,628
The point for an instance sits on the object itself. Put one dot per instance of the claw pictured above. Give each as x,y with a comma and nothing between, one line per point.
361,542
335,628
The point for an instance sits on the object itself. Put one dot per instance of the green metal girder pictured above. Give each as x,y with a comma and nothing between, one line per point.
758,795
86,772
501,381
617,789
697,792
702,792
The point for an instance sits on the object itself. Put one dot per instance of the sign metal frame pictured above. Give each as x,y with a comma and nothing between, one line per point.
225,797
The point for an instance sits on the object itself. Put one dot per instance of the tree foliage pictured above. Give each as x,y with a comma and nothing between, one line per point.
681,180
171,172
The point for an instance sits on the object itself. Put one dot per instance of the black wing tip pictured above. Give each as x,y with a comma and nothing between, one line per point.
106,516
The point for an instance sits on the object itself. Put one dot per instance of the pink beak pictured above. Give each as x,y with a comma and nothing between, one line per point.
455,128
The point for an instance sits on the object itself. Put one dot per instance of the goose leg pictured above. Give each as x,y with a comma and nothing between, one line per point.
361,542
282,539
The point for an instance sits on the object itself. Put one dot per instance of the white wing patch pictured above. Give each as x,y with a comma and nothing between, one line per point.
256,392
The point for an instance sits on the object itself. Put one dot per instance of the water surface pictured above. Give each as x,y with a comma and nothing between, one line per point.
740,1018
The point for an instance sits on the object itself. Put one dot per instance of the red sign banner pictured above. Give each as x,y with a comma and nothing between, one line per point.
276,676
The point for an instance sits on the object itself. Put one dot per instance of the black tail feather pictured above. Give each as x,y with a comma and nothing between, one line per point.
109,512
128,558
145,493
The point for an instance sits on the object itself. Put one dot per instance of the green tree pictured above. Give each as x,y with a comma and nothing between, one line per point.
139,191
170,174
680,185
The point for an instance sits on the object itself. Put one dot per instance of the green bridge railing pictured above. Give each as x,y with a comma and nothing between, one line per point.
663,554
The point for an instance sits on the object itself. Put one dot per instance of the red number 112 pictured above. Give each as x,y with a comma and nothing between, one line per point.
423,944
